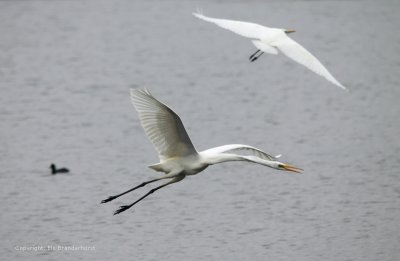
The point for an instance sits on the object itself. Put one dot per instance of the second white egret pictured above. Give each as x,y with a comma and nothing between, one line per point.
270,40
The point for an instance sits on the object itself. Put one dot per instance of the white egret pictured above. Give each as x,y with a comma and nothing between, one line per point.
178,157
269,40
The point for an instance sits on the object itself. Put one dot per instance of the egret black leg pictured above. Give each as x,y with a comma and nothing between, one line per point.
126,207
256,57
251,56
132,189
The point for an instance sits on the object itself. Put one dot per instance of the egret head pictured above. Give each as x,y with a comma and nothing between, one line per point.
288,31
287,167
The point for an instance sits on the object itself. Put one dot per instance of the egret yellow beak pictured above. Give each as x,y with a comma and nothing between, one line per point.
291,168
288,31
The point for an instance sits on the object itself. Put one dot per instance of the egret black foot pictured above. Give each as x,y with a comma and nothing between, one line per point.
253,59
121,209
108,199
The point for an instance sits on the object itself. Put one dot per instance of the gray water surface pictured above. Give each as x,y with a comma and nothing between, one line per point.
65,71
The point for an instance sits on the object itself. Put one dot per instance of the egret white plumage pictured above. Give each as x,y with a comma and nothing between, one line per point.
178,157
270,40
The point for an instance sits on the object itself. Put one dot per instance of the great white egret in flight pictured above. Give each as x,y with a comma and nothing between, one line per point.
178,157
270,40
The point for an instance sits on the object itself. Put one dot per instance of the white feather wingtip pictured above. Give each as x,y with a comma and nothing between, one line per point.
200,16
335,82
343,87
199,11
138,90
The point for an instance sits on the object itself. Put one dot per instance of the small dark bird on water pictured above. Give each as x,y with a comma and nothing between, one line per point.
54,170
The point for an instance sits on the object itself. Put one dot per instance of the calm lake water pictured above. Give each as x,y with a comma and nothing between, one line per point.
65,71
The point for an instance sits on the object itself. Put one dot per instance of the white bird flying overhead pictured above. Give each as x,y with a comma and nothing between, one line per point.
178,157
270,40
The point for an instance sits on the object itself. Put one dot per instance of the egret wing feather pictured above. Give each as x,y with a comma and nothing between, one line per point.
162,126
231,148
299,54
245,29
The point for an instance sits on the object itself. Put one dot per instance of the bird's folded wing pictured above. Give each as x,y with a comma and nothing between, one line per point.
299,54
245,29
163,126
231,148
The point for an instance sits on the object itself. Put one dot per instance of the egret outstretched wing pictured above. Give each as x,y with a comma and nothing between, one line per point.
162,125
245,29
299,54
